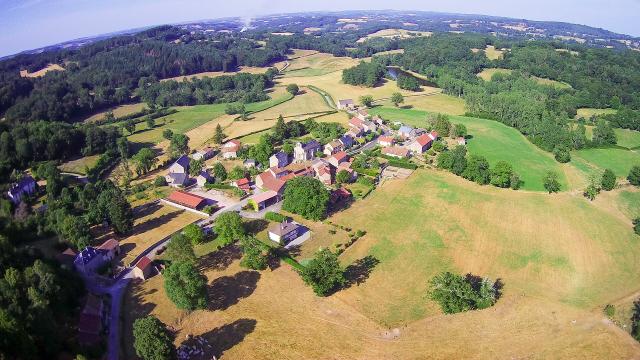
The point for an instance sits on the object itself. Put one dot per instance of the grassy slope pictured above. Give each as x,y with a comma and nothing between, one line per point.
618,160
495,141
558,247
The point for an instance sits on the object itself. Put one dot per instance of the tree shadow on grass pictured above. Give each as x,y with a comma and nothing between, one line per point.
221,258
255,226
146,209
476,281
228,290
214,343
155,222
358,272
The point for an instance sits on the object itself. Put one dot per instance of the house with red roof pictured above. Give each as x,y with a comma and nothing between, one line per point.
143,269
266,181
338,158
188,200
421,144
386,140
230,149
111,248
243,184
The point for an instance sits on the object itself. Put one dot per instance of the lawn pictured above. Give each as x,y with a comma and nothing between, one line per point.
494,141
629,139
618,160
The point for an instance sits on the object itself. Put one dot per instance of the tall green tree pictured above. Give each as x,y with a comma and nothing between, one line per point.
323,273
194,233
293,89
477,170
366,100
608,181
254,253
185,286
229,227
179,145
397,99
219,135
180,249
501,174
219,172
145,159
550,182
152,340
307,197
633,177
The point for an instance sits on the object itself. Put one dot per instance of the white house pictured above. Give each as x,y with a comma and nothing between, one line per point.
305,152
279,159
203,178
179,172
333,147
203,154
346,104
230,149
284,232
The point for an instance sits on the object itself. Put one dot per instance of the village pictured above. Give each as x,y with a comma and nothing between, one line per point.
394,149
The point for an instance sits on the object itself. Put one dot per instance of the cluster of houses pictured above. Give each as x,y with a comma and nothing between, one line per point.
409,141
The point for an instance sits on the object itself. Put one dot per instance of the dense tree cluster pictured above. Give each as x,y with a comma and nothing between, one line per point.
108,72
624,118
152,340
476,168
364,74
408,82
241,87
21,145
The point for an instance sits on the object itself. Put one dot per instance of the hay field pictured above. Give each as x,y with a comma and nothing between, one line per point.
495,141
41,72
486,75
153,222
315,64
118,111
302,106
394,33
211,74
434,102
558,265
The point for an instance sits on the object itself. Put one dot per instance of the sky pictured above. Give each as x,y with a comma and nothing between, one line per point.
29,24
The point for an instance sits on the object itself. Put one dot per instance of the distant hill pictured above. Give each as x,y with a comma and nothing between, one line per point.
345,21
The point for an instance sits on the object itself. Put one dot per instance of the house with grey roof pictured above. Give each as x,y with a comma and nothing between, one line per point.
284,232
26,186
279,159
307,151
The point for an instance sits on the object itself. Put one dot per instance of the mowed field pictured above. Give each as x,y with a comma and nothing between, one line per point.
589,112
495,141
118,111
618,160
394,33
560,258
626,138
79,166
486,75
304,64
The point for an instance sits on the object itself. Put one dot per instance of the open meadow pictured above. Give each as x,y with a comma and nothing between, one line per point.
616,159
488,73
394,33
118,111
493,140
558,266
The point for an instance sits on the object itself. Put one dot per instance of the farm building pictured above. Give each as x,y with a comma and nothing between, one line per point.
396,151
26,186
421,144
179,172
279,159
204,154
284,232
264,200
143,269
187,200
66,258
346,104
230,149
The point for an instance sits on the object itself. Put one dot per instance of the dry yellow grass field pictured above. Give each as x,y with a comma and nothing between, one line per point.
241,69
559,267
441,103
589,112
41,72
486,74
307,63
118,111
153,222
393,33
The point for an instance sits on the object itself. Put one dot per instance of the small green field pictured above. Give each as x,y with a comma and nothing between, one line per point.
616,159
487,74
494,141
629,202
626,138
79,166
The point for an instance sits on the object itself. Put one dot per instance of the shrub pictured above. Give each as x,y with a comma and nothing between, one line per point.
636,226
608,181
561,153
274,216
550,182
634,176
609,310
160,181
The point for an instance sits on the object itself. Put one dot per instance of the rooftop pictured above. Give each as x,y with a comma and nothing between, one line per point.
143,263
186,199
283,228
109,244
262,197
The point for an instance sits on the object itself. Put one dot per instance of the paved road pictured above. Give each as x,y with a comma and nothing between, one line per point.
116,287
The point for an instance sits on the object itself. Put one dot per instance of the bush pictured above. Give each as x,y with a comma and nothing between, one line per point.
608,181
550,182
562,155
636,226
634,176
160,181
609,310
274,216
